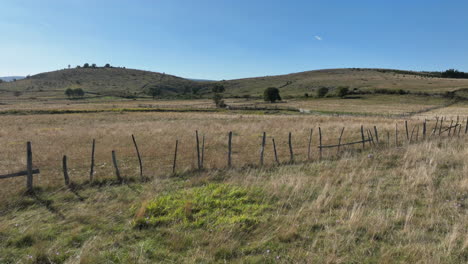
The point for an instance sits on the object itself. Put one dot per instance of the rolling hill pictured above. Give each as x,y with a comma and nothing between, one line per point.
130,83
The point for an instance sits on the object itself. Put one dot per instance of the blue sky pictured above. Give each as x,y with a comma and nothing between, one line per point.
227,39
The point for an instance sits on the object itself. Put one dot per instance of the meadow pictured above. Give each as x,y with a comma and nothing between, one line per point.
388,203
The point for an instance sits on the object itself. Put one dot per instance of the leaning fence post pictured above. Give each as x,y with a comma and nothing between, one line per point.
274,149
29,166
91,171
116,167
310,142
65,170
339,141
291,154
363,138
262,149
320,143
230,149
139,157
175,157
376,134
412,131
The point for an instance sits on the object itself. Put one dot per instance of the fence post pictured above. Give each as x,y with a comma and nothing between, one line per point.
441,124
435,127
424,129
376,134
396,134
29,166
198,149
450,128
412,131
320,143
363,138
139,157
466,126
291,154
117,172
388,139
407,131
91,171
274,149
175,157
310,142
230,149
339,141
65,170
262,149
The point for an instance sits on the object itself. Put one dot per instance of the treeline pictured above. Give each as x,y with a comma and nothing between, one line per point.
452,73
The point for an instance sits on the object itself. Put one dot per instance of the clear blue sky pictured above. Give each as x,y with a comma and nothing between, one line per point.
226,39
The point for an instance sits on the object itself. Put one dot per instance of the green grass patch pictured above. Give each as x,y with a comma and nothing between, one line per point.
214,205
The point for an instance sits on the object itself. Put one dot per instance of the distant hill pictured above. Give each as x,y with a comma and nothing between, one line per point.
297,84
102,81
11,78
130,83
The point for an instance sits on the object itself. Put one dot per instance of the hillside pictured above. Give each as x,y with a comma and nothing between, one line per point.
363,79
104,81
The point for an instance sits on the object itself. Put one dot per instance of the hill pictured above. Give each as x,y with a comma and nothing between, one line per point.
296,84
11,78
101,81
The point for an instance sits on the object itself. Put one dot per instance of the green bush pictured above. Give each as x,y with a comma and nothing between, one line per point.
271,95
343,91
322,91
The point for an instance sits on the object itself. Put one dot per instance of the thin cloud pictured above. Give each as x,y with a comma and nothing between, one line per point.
319,38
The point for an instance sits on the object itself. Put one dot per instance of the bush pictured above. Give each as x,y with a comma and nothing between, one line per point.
107,65
321,92
271,95
343,91
86,65
74,93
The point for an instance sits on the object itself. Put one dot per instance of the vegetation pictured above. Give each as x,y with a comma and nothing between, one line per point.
343,91
322,91
154,91
74,93
452,73
271,95
218,90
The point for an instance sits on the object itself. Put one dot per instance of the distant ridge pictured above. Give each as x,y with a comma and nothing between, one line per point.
11,78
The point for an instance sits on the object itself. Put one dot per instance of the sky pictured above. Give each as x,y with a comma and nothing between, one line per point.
229,39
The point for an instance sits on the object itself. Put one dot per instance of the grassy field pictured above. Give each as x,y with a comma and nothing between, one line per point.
384,204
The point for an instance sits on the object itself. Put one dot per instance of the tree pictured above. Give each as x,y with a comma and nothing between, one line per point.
343,91
17,93
218,89
86,65
1,80
322,91
107,65
271,94
79,92
69,92
155,91
93,65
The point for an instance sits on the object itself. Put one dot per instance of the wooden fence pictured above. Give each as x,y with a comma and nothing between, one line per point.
368,137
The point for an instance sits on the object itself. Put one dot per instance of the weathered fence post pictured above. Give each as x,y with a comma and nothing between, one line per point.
29,167
435,127
139,157
262,149
91,171
376,134
412,131
230,149
65,170
407,131
310,142
450,128
466,126
320,143
339,141
417,133
198,150
116,167
274,149
363,138
388,139
441,124
175,156
424,129
291,154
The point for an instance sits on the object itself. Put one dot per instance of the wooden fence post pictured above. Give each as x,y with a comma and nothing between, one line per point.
466,126
435,127
230,149
310,142
376,134
450,128
320,143
291,154
339,141
29,167
262,149
388,139
412,131
175,157
65,170
274,149
91,171
117,172
198,150
139,157
441,124
363,138
424,129
396,134
407,131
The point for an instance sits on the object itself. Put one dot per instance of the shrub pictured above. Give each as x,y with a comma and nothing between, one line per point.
322,91
218,89
86,65
271,95
343,91
107,65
